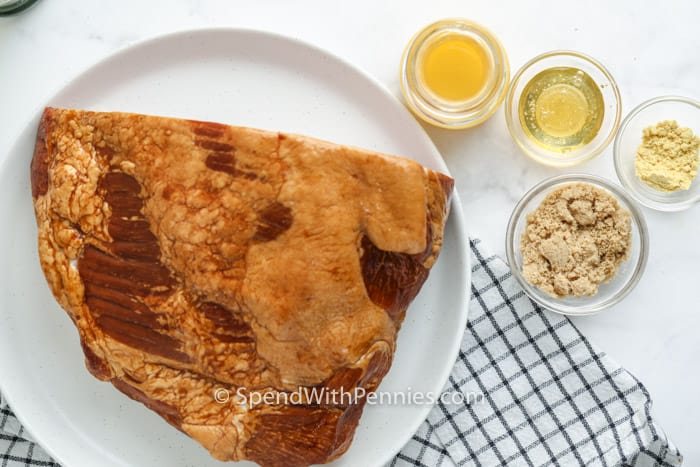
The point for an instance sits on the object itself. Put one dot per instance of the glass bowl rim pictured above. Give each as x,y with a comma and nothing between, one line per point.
494,48
638,219
542,156
617,162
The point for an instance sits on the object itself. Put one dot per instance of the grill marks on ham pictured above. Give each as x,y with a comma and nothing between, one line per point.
120,279
221,156
231,327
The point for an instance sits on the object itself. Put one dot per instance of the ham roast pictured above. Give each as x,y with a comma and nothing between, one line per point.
198,259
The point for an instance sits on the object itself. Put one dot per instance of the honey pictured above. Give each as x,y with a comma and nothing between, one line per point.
561,109
454,67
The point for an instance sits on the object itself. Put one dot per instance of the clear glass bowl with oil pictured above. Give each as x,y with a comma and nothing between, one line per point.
563,108
454,74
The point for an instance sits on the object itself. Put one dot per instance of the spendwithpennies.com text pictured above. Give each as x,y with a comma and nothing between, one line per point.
341,397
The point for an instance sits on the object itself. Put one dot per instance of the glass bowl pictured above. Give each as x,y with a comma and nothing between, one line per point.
611,102
687,113
447,114
609,293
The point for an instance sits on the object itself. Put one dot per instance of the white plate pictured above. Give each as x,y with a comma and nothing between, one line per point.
239,77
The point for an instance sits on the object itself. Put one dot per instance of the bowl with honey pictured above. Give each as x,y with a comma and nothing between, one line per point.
454,74
563,108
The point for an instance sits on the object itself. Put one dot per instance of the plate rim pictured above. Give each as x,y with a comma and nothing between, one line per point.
456,209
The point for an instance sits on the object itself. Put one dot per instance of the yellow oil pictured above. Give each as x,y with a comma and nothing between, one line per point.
561,109
454,67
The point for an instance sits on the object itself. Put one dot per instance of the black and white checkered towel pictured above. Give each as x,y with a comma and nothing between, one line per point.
16,446
549,397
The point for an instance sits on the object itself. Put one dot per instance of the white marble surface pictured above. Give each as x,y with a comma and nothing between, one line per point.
651,49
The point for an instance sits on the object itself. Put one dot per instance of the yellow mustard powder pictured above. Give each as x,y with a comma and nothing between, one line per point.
667,159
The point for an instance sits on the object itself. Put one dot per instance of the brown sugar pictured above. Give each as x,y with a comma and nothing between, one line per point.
575,240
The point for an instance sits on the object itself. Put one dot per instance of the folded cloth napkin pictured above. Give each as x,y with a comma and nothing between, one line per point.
17,448
548,397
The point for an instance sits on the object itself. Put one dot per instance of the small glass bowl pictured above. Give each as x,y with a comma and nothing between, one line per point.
687,113
445,114
609,293
611,99
11,7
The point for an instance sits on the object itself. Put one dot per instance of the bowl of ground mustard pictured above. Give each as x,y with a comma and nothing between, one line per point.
577,244
563,108
657,153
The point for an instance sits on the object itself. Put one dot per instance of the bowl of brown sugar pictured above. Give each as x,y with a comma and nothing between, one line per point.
577,244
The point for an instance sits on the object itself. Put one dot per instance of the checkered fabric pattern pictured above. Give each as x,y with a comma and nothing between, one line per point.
542,395
549,398
16,445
